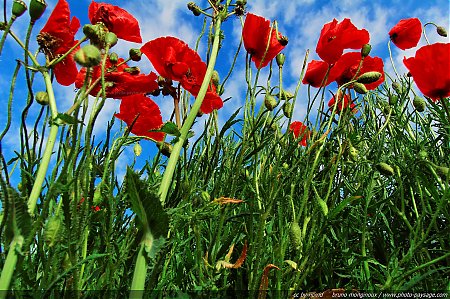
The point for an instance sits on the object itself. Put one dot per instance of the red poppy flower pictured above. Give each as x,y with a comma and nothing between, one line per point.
344,102
174,60
406,34
144,113
119,81
300,130
336,37
315,73
116,19
56,38
430,70
345,68
255,34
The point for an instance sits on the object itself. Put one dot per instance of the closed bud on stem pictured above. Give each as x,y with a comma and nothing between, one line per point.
137,149
283,40
215,78
41,97
135,54
113,57
397,87
419,103
287,109
37,8
133,70
441,31
369,77
393,99
295,234
194,8
365,50
385,169
285,95
18,8
280,59
88,56
96,34
111,39
165,148
270,102
359,88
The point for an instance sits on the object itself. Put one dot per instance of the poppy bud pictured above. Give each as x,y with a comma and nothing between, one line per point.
369,77
285,95
295,234
96,33
135,54
365,50
353,152
215,79
270,102
113,57
283,40
393,100
280,59
287,109
88,56
397,87
18,8
165,148
111,39
194,8
419,104
137,149
359,88
41,97
133,70
441,31
385,169
37,8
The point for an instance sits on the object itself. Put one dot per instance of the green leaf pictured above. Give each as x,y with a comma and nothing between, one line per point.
18,220
342,205
170,128
68,119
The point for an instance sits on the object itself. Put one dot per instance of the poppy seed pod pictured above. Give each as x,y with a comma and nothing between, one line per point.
135,54
369,77
37,8
270,102
18,8
365,50
113,57
88,56
280,59
41,97
419,103
111,39
441,31
359,88
194,8
385,169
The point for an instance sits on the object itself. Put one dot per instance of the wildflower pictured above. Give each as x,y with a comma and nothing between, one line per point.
119,81
344,102
300,130
116,19
316,72
406,34
256,34
336,37
57,38
430,70
142,115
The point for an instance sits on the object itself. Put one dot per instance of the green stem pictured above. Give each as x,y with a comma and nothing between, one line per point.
8,26
40,176
10,264
140,271
170,169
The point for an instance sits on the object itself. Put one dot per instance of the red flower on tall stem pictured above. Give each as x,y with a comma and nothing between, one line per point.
120,80
336,37
261,40
300,130
343,103
406,34
57,38
142,114
430,70
347,66
316,72
174,60
116,19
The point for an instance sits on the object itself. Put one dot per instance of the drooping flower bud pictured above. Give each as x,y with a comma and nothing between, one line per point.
88,56
41,97
135,54
287,109
295,234
37,8
133,70
385,169
359,88
18,8
280,59
419,103
283,40
96,34
285,95
111,39
270,102
215,78
194,8
137,149
113,57
369,77
365,50
397,87
441,31
165,148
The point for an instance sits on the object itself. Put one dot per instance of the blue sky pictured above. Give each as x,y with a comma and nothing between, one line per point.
300,20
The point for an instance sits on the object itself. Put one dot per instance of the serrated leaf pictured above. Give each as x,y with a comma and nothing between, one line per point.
68,119
18,221
170,128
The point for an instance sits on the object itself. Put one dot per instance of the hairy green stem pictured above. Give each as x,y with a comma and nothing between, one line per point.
10,264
